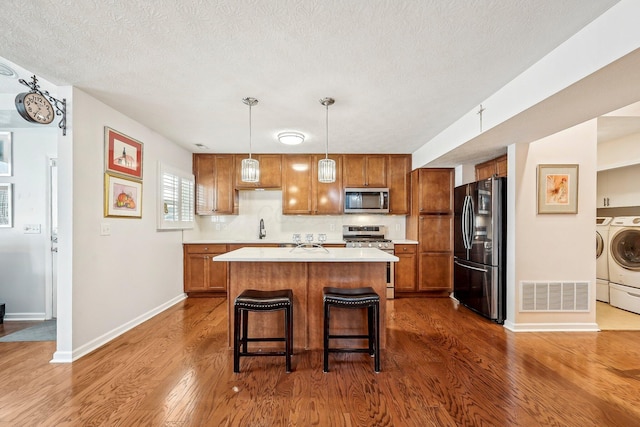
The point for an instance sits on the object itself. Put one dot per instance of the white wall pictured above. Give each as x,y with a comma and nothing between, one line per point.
24,257
113,282
267,205
620,152
555,247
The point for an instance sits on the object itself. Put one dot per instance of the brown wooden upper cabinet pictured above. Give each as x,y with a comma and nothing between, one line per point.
302,194
270,171
493,167
364,170
327,198
214,175
432,191
399,183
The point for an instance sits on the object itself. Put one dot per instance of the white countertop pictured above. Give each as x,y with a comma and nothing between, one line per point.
253,254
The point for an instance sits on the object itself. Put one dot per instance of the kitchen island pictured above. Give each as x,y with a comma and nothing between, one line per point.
306,270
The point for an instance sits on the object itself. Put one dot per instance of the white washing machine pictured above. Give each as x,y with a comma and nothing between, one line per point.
624,263
602,258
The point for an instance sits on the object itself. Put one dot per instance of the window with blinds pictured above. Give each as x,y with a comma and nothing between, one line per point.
176,198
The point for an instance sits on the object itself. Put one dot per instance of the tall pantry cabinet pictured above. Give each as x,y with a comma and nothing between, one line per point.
430,222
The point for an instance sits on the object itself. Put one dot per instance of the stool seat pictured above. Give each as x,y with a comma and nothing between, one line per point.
350,296
255,299
354,298
259,300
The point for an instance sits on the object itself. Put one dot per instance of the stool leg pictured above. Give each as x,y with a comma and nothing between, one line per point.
245,329
291,327
376,333
236,340
326,337
287,332
370,329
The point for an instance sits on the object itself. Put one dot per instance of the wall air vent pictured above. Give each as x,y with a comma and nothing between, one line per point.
554,296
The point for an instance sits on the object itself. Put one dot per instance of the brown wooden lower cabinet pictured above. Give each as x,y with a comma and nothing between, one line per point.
436,272
405,272
202,276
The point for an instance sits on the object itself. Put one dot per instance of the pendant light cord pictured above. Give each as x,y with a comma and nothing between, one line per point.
249,130
327,122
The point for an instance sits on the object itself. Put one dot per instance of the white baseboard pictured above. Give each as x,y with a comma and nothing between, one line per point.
64,357
551,327
61,357
15,317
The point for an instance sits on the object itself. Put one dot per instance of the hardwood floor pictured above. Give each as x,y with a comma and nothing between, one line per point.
443,366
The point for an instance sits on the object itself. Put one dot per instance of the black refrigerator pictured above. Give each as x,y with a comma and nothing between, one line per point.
479,273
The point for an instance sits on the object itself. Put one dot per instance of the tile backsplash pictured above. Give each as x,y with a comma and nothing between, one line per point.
267,205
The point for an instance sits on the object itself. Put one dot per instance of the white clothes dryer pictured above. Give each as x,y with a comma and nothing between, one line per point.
602,258
624,251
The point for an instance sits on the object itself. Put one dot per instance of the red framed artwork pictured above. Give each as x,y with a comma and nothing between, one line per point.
123,154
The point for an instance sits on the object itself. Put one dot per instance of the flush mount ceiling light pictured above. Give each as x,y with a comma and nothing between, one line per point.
250,167
7,71
291,138
327,166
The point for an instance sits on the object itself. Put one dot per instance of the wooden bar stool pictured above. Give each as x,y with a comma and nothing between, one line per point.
255,300
353,298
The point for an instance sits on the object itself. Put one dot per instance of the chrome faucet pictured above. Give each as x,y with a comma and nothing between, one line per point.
263,233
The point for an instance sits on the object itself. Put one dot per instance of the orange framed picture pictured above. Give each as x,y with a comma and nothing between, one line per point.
122,197
123,154
557,189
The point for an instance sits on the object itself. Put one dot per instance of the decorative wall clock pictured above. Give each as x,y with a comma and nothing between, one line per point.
37,106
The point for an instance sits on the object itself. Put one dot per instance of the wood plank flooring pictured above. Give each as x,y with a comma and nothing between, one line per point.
443,366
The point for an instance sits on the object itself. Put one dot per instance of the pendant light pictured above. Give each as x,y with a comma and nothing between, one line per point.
327,166
250,167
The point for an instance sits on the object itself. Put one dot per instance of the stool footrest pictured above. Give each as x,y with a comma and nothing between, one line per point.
349,350
263,353
262,339
347,336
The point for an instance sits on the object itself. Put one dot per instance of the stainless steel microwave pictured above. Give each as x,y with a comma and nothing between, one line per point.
366,200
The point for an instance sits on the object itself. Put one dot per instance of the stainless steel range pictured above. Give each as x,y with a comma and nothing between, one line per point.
371,236
366,236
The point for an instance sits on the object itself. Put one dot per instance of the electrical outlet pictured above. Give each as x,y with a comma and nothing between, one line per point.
217,226
105,229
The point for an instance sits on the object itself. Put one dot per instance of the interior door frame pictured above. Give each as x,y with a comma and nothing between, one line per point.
50,296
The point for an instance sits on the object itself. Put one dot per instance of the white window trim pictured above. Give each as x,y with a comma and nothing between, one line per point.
185,214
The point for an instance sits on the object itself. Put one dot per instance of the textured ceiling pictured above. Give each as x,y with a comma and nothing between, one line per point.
400,71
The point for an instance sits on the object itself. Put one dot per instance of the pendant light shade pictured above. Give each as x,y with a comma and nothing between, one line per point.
327,166
250,169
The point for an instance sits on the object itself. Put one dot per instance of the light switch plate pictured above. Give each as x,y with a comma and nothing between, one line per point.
31,229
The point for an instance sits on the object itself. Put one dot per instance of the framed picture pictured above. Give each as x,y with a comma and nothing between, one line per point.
122,197
557,189
6,208
123,155
5,154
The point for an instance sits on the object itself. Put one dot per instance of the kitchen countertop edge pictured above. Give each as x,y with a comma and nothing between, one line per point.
253,254
277,242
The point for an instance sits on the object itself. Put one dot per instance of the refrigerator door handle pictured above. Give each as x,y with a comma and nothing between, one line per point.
467,221
483,270
463,220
